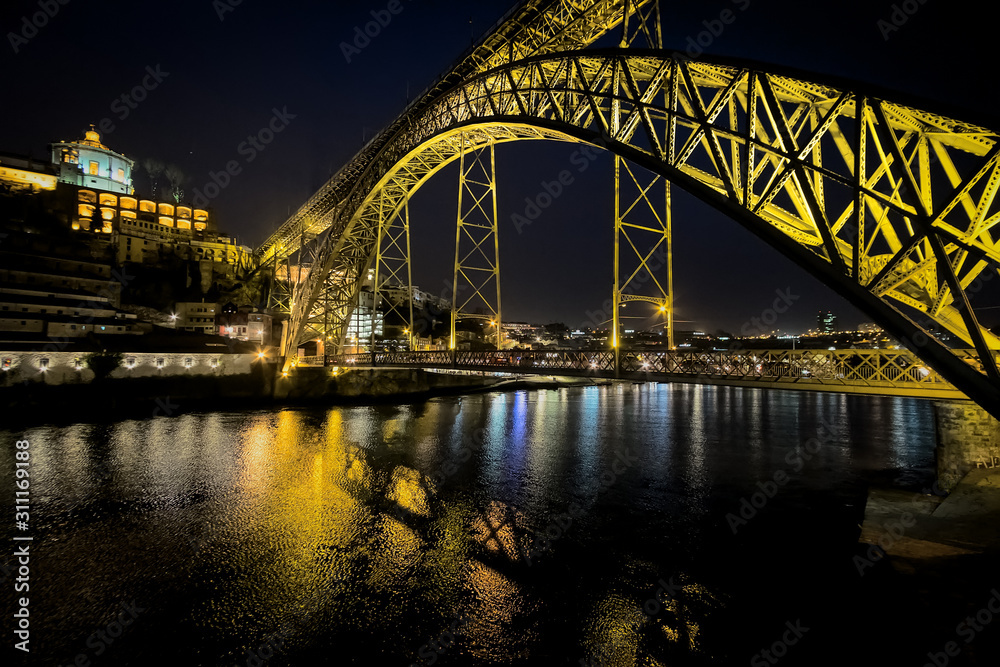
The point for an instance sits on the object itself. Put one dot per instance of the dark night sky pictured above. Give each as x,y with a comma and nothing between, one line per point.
226,76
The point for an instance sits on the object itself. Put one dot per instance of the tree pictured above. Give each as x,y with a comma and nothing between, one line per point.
176,178
103,363
153,169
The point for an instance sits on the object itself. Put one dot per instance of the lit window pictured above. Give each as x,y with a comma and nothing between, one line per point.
93,168
121,175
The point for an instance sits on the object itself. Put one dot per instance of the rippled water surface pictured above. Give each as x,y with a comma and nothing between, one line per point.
506,528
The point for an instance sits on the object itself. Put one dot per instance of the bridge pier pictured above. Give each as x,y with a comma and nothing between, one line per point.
968,437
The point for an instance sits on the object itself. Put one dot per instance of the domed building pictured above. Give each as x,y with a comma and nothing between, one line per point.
89,163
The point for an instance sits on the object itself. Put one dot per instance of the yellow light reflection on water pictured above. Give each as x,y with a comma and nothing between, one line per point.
409,491
493,632
620,626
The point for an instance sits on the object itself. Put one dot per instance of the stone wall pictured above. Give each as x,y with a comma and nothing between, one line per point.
968,438
65,394
58,368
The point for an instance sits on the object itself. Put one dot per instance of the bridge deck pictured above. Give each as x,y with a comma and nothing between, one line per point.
877,372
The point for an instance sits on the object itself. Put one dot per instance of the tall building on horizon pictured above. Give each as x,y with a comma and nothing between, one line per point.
826,322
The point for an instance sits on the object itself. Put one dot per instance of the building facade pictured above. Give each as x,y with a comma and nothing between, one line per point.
245,323
89,163
98,182
196,316
826,322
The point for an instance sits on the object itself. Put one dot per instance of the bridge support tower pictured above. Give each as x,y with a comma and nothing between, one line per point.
477,246
392,265
643,216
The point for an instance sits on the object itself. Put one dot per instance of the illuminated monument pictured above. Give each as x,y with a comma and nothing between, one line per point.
96,182
89,163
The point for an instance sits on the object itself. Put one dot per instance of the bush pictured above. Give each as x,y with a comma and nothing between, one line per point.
103,363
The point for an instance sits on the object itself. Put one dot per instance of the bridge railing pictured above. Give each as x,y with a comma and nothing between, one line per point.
865,368
875,368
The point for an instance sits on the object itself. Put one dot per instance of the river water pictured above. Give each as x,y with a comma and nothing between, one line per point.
532,527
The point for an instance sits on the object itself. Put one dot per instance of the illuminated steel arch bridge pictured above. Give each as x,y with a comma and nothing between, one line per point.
891,206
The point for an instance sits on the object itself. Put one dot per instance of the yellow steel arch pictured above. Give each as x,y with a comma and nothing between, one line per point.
533,27
342,268
893,206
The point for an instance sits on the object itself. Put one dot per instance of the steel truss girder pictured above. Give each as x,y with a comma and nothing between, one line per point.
347,254
881,372
534,27
477,240
642,241
393,265
840,182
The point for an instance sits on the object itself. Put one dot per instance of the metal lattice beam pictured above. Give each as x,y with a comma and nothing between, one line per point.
393,267
840,181
477,242
534,27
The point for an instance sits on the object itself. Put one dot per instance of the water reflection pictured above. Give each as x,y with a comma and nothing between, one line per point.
362,531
